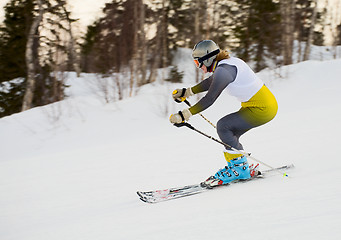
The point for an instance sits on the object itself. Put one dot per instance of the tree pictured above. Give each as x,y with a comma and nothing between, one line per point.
46,35
31,47
257,31
87,48
109,41
34,47
13,39
338,38
138,61
311,31
73,63
287,10
117,43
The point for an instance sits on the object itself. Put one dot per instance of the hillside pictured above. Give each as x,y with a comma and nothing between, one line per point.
71,170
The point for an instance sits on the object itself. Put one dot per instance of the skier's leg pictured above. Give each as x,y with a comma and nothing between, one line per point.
231,127
260,109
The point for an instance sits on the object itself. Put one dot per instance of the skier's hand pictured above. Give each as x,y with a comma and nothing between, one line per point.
180,117
180,95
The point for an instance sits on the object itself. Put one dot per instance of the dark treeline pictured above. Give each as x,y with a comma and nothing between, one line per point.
37,42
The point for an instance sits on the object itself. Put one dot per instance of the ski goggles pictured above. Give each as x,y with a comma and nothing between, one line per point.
200,60
199,65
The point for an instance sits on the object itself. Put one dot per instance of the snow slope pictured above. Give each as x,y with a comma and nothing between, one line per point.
71,170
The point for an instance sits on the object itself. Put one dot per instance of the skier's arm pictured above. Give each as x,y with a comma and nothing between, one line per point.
179,95
203,85
223,76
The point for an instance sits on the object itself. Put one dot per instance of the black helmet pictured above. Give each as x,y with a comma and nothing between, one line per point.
204,53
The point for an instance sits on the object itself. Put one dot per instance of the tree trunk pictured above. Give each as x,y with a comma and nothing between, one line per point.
75,60
157,57
208,21
311,33
28,97
196,33
134,76
164,33
336,32
287,11
143,45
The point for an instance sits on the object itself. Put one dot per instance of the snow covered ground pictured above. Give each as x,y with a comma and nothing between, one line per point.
71,170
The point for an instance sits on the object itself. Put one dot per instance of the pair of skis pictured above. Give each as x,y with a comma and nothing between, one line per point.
179,192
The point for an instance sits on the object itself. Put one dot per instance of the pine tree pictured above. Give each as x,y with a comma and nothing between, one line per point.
108,42
258,31
12,54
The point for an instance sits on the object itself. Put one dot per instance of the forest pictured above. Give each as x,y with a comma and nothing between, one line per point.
39,41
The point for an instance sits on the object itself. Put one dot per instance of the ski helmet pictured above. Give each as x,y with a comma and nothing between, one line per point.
204,53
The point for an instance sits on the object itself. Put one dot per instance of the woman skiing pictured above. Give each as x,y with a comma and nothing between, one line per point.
258,104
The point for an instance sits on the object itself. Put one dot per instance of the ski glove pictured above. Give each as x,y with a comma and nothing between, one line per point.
180,117
180,95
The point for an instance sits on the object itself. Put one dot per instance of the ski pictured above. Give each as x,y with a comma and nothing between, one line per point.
170,193
188,190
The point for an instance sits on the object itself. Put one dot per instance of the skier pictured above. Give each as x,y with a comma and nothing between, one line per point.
258,105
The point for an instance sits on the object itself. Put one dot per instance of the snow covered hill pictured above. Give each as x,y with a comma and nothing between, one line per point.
71,170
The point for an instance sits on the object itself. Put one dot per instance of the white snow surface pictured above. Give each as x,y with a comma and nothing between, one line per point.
70,170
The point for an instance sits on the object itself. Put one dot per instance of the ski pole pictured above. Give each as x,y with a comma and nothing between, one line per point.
187,102
226,145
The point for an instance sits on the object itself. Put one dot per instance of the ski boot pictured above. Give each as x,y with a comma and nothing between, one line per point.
237,169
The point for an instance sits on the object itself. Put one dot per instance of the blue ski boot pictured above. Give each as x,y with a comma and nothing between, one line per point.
237,169
240,168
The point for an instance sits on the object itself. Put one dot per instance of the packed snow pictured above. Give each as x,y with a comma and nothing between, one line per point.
70,170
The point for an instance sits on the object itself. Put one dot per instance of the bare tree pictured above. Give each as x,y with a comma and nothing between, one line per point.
138,63
164,34
134,75
196,32
311,32
49,45
287,8
30,61
143,44
72,50
336,32
157,58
